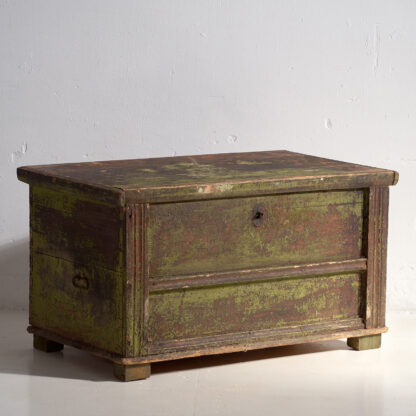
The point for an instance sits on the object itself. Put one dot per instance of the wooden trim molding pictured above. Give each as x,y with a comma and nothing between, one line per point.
378,206
270,273
253,337
278,339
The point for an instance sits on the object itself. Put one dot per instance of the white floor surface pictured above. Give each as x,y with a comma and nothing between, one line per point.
321,379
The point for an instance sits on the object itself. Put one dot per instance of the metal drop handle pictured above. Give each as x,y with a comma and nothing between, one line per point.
80,282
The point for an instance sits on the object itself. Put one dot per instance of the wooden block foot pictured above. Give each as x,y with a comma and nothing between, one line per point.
365,343
46,345
131,372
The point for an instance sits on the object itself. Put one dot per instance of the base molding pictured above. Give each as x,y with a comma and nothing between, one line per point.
278,339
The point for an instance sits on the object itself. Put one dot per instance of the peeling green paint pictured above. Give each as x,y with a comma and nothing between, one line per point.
182,238
240,307
66,225
82,227
93,316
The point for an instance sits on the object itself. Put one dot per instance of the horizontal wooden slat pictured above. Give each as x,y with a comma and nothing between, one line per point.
251,306
270,273
213,236
235,189
285,332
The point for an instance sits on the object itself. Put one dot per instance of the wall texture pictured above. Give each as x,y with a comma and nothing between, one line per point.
96,80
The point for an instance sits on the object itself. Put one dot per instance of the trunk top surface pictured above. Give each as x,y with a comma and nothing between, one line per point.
209,176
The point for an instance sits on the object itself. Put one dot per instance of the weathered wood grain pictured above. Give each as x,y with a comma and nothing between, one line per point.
69,226
225,340
140,261
135,290
233,189
92,315
252,275
377,255
84,190
209,236
209,176
197,312
298,336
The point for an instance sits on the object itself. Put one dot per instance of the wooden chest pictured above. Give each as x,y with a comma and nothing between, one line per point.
148,260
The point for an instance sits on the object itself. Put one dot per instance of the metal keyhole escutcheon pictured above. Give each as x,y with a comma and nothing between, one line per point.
258,215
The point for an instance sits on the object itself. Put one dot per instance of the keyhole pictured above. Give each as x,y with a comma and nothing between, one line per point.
258,215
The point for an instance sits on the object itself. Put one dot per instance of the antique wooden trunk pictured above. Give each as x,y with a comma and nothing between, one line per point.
148,260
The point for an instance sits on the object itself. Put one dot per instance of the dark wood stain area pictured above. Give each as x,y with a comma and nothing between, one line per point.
66,226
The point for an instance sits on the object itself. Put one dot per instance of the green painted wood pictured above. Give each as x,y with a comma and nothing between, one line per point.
83,303
131,372
190,313
208,176
104,234
134,291
368,342
219,235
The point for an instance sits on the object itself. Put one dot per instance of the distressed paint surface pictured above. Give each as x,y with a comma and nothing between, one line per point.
207,176
246,251
190,313
234,341
377,256
135,285
69,226
92,315
219,235
180,170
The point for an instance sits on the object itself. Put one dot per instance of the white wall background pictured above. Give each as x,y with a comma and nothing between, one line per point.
95,80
